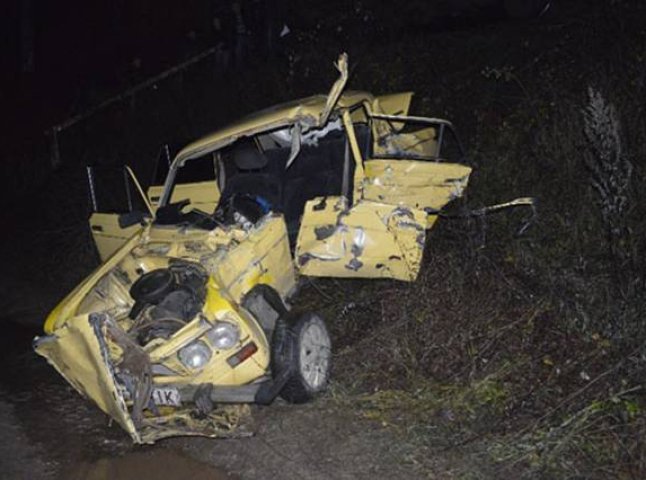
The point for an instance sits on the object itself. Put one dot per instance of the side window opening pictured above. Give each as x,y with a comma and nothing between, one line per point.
414,138
319,170
364,139
111,190
197,170
451,149
248,170
404,140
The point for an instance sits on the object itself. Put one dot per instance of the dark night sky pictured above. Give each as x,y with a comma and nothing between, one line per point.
81,46
85,51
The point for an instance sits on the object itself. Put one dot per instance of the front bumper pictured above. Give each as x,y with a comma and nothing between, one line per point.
94,355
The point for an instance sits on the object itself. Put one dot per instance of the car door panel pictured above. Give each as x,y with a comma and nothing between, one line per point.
108,235
369,240
415,184
202,195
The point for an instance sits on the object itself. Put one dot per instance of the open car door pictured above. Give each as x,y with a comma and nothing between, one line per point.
119,203
118,207
415,162
398,189
368,240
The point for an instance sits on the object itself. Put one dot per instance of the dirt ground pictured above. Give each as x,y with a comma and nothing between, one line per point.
49,432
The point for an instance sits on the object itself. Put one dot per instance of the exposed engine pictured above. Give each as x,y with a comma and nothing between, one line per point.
166,299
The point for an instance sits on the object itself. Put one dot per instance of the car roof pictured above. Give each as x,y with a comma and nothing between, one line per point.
306,110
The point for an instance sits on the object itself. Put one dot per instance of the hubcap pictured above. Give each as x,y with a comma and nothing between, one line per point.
315,355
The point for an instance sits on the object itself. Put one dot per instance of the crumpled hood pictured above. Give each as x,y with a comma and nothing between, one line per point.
91,352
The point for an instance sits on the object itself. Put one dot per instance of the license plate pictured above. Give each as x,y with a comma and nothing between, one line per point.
167,396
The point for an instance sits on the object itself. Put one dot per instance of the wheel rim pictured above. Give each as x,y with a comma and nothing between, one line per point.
315,355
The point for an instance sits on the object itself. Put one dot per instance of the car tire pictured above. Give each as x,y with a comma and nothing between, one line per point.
305,346
282,345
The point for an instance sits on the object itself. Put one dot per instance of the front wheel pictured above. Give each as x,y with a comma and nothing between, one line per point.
308,351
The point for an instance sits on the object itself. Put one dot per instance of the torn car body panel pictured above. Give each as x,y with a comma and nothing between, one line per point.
93,355
79,353
263,258
427,186
368,240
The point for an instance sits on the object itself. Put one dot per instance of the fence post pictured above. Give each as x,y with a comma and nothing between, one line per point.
54,150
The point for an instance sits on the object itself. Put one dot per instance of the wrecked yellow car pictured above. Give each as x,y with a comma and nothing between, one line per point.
189,315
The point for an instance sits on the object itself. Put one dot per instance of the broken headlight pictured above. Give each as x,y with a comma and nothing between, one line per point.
224,335
195,355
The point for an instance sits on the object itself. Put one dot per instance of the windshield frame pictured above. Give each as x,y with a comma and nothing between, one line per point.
180,159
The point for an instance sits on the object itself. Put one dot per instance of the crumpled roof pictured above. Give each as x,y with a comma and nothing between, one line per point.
307,110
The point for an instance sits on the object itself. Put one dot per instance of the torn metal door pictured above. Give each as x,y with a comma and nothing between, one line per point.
421,185
368,240
415,162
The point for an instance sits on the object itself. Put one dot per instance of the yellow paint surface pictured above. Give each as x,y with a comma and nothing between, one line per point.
202,195
77,355
416,184
369,240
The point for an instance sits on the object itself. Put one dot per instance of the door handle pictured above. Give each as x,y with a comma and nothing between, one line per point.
97,228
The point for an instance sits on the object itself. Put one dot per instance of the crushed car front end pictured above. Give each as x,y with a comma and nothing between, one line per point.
158,344
186,321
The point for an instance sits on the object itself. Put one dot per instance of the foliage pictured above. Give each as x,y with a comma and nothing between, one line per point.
610,170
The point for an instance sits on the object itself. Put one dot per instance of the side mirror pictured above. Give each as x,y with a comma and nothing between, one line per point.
131,218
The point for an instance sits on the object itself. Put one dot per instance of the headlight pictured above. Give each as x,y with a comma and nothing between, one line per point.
195,355
224,335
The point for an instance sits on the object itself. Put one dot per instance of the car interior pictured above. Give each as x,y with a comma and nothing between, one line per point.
318,171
